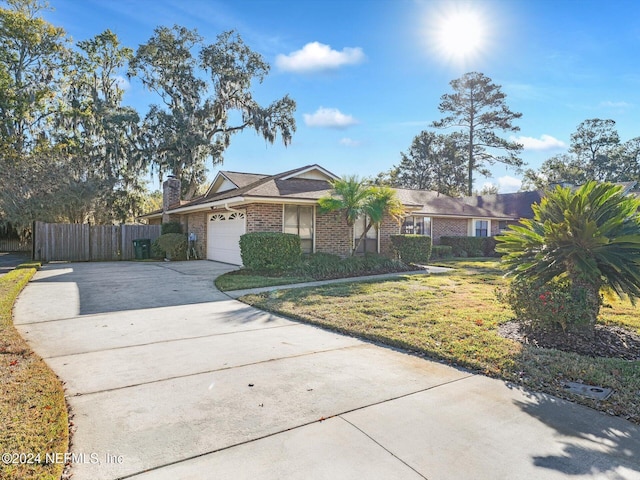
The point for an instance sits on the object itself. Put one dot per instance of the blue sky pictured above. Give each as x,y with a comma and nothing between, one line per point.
367,75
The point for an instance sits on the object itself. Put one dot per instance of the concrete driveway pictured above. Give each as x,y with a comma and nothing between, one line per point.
9,261
167,378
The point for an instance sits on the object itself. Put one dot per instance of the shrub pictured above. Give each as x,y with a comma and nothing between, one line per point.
174,245
590,236
554,304
270,250
325,265
319,265
441,251
171,227
489,247
156,250
471,246
411,248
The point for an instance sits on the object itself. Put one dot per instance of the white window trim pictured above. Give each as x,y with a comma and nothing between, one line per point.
472,226
313,214
430,234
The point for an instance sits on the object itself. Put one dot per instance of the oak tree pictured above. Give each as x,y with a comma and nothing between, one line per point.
433,162
203,90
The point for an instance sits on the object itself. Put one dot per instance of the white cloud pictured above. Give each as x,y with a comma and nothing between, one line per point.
349,142
507,184
316,56
122,82
545,142
329,117
487,185
615,104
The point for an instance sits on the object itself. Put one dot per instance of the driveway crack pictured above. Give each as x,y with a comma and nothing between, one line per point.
383,447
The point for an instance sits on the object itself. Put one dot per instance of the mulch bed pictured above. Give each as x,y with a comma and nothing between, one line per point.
608,341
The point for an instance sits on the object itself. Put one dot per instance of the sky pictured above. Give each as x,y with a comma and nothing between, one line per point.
368,75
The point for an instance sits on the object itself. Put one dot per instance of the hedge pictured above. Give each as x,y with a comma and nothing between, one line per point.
471,246
441,251
174,246
171,227
327,265
270,250
411,248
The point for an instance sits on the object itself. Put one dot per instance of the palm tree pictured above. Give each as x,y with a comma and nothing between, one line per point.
590,236
356,199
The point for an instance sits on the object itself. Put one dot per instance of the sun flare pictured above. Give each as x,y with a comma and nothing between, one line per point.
458,34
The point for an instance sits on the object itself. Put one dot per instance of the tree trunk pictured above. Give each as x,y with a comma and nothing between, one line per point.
471,132
364,234
470,179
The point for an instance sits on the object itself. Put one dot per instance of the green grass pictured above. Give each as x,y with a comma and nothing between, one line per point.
32,405
470,265
454,318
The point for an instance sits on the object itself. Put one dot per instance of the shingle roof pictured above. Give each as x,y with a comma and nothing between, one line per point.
243,179
270,187
435,204
422,202
516,204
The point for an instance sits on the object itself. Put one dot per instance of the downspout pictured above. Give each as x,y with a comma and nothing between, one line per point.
229,209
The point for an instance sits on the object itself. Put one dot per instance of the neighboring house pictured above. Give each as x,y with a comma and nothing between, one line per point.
514,206
238,203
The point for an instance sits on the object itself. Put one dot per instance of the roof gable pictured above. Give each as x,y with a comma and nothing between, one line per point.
226,181
311,172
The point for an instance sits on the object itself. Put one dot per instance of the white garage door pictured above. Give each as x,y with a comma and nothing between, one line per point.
223,237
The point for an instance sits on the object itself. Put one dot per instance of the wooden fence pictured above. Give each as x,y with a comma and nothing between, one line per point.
88,243
14,245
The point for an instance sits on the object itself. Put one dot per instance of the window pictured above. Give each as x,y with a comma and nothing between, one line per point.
481,228
416,226
299,221
502,225
369,244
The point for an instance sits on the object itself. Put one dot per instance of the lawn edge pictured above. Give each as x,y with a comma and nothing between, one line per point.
510,378
51,443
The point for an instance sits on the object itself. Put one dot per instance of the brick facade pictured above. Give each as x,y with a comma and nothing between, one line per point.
448,227
197,223
264,217
495,228
388,227
170,196
333,235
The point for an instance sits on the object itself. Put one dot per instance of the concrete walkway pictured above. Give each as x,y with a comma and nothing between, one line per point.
167,378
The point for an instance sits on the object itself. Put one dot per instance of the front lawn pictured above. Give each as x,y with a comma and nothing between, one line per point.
454,318
33,411
241,279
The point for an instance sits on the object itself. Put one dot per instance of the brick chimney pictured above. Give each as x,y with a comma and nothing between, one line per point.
170,195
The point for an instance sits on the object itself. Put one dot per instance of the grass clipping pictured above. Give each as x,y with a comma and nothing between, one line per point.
32,405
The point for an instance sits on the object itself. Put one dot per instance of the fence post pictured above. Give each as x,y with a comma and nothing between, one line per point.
33,241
